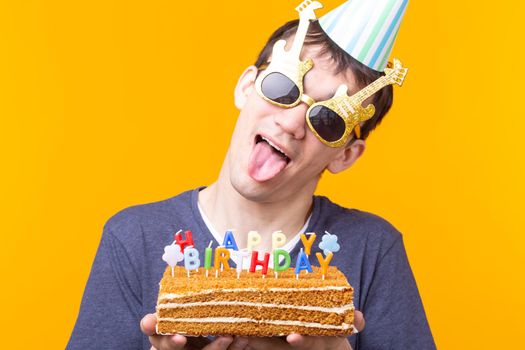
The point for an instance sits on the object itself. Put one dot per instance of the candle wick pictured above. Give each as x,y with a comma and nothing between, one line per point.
209,245
328,233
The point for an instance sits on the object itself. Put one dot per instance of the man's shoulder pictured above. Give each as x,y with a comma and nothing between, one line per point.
152,214
356,222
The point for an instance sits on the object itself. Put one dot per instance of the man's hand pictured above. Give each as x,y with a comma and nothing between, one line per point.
293,341
176,342
297,341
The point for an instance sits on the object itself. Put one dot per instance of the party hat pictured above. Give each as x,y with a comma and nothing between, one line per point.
366,29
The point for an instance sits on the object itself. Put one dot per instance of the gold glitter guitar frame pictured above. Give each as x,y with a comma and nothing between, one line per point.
289,63
350,108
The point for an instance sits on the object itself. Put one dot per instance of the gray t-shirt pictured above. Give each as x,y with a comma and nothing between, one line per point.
124,280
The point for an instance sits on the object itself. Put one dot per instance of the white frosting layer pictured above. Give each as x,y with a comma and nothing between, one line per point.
338,310
236,290
343,326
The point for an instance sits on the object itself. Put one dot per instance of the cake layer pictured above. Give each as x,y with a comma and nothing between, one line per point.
248,327
319,296
258,313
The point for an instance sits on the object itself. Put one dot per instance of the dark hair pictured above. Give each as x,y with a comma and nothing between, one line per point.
382,100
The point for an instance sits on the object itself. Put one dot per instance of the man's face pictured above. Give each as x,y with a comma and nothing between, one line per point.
257,169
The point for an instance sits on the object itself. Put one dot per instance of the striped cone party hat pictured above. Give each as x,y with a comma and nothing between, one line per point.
366,29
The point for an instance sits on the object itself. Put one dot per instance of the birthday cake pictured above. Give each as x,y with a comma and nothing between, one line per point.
307,299
254,306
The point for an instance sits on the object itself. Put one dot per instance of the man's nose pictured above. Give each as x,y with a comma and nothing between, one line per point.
292,120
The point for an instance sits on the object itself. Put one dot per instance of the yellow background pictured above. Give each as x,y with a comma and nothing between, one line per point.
95,116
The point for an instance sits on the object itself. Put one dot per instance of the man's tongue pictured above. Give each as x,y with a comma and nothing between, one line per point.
265,163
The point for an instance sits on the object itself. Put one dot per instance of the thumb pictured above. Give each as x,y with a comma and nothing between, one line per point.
148,323
359,321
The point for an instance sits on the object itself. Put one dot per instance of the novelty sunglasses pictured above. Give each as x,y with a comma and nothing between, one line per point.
332,121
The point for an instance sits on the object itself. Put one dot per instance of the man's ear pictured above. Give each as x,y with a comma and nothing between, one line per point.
244,86
347,156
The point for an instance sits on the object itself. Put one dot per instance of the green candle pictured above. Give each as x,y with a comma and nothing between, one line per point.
278,253
207,257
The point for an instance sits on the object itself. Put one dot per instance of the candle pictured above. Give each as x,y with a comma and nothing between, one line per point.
329,243
222,255
302,263
323,262
254,238
229,241
263,263
207,258
184,242
172,255
307,242
287,260
278,239
239,256
191,259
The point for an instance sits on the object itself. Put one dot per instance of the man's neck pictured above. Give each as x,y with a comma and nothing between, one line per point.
228,209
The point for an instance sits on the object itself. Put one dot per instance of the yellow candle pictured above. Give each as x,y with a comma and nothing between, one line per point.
323,262
222,255
307,242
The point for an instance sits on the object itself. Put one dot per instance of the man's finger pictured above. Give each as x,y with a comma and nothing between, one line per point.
239,343
300,341
168,342
359,320
220,343
263,343
147,324
160,342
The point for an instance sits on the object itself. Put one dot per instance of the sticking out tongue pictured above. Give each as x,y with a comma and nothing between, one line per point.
265,162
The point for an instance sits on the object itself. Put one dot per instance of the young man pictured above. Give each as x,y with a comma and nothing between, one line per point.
271,170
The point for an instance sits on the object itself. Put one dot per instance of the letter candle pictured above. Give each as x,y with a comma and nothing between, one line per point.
302,263
207,258
191,259
278,240
307,242
287,260
229,241
263,263
184,242
239,256
222,255
323,262
254,238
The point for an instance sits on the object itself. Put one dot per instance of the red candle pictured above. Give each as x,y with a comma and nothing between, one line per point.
263,263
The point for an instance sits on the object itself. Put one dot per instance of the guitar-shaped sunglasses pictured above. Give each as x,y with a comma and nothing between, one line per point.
332,121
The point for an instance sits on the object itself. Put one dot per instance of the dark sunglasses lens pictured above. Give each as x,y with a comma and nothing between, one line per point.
279,88
328,124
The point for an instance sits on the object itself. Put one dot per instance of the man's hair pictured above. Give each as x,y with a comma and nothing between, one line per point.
382,100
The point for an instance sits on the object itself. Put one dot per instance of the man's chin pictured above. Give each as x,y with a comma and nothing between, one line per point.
253,190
